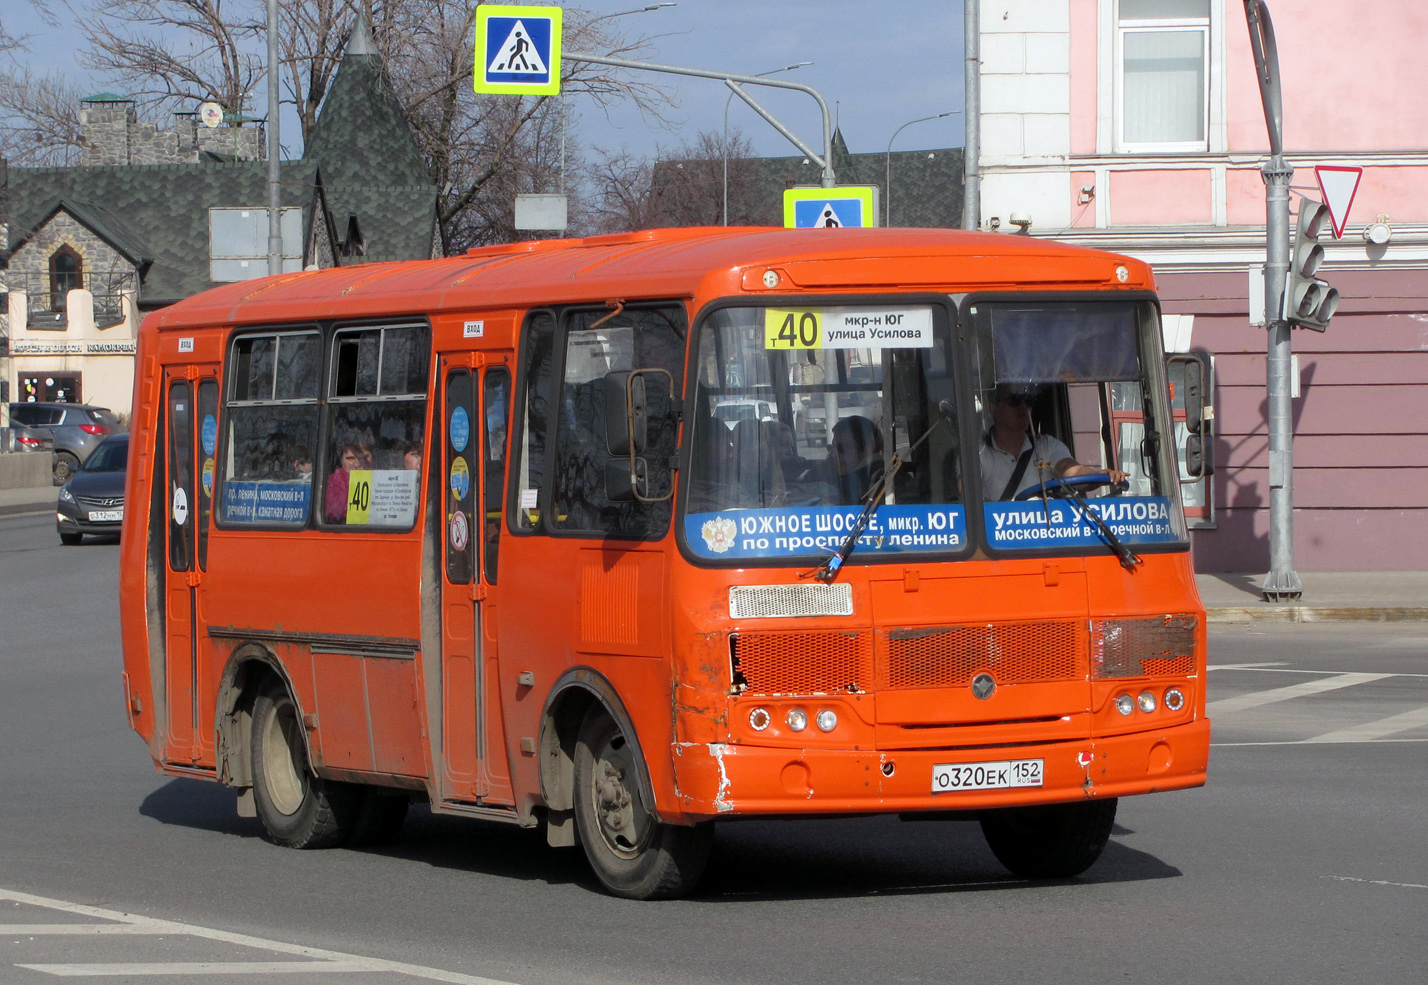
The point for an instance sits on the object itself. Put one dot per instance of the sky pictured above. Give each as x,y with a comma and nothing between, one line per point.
878,65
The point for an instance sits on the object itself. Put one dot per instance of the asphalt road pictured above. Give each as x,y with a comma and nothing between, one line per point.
1305,859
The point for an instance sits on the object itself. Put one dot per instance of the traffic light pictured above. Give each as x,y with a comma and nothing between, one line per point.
1308,301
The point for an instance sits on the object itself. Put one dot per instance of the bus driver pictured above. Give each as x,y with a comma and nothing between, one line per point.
1011,461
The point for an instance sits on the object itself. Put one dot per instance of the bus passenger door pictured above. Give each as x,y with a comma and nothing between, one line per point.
190,438
473,429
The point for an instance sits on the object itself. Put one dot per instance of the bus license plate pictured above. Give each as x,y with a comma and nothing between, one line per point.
102,516
987,776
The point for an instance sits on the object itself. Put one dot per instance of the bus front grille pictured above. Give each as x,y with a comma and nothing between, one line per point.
1013,653
1156,647
802,663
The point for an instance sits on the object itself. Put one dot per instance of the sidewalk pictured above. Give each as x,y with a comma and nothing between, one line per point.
1372,596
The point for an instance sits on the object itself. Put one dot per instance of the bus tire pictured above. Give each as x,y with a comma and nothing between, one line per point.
379,817
1056,841
633,853
297,809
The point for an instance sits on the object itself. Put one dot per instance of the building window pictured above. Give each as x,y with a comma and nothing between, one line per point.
66,274
238,243
1162,59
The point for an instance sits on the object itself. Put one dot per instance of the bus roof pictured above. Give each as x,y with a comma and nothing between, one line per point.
660,263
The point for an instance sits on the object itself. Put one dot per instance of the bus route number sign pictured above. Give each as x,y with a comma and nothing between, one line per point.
786,328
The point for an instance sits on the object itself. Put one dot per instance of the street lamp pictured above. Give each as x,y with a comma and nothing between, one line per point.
724,144
887,167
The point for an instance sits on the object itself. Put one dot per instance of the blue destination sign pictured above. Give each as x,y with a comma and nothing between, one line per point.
819,530
266,502
1060,523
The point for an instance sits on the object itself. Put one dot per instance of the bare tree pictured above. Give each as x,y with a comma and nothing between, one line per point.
684,187
40,115
173,54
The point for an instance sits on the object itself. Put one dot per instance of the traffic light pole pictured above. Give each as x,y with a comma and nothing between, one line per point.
1282,582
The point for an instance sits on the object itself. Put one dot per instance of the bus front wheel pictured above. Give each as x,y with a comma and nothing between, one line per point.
297,809
634,854
1056,841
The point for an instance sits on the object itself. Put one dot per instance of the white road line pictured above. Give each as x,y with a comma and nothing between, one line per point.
1254,700
199,968
1369,731
1263,666
1275,669
327,958
1379,882
1309,742
77,929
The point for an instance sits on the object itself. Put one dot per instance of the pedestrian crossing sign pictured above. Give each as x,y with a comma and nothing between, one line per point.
517,50
843,207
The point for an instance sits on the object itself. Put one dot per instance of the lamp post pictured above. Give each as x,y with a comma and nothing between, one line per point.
887,166
724,144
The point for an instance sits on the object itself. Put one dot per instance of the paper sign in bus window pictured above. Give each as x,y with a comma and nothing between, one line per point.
847,328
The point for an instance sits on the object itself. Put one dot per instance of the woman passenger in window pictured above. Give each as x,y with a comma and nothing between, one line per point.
352,457
856,455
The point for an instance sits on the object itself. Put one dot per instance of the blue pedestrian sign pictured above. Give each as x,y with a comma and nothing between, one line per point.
517,50
843,207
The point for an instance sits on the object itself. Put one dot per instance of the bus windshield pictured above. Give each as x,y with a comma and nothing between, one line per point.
804,414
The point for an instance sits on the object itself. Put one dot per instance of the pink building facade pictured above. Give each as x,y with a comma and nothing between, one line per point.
1136,126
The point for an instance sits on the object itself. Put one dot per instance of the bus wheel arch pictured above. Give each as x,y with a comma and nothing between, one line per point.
570,699
247,668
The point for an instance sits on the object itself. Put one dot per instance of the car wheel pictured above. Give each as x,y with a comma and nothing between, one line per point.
70,540
633,853
297,809
1056,841
66,465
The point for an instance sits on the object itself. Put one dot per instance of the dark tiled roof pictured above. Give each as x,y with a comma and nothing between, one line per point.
362,133
926,184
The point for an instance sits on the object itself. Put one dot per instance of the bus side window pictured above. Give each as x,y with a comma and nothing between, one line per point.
495,400
271,421
537,357
376,417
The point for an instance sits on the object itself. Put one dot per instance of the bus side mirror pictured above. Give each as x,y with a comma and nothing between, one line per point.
626,413
1192,371
624,482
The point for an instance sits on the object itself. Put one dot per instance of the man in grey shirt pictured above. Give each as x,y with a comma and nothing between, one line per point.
1008,439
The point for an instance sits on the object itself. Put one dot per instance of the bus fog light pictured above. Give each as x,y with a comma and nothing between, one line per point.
1174,699
827,720
797,719
1146,701
759,719
1125,704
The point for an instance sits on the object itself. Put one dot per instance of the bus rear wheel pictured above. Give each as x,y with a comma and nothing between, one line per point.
297,809
633,853
1056,841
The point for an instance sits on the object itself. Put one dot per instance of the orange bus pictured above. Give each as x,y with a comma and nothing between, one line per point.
626,535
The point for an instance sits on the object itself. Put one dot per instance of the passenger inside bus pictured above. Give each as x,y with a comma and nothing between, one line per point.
357,455
857,457
1015,455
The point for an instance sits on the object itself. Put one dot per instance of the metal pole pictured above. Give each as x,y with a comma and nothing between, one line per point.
972,144
887,163
275,217
733,82
724,147
1282,583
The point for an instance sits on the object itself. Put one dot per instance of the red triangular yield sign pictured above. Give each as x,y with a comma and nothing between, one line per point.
1338,184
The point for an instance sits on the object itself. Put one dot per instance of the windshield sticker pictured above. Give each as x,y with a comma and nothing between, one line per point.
209,466
266,502
209,433
1060,522
460,429
847,328
821,530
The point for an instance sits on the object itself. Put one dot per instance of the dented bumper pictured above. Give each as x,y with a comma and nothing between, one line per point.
728,779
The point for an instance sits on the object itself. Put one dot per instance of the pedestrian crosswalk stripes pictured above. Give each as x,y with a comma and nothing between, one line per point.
1235,729
1372,731
1255,699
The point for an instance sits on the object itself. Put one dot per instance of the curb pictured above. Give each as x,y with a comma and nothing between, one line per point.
1316,613
20,509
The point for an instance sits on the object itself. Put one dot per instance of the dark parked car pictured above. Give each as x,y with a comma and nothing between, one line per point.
92,502
77,430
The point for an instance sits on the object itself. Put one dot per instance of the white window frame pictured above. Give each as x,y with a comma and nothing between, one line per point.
1166,25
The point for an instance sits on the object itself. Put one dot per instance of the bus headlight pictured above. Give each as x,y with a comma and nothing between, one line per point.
827,720
1146,701
1174,699
797,719
1125,704
759,719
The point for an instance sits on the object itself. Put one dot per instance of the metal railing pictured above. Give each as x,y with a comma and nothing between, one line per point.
47,310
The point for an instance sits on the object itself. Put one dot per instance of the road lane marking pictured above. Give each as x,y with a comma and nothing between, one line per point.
1379,882
1263,666
1370,731
330,961
1276,669
116,969
80,929
1310,742
1256,699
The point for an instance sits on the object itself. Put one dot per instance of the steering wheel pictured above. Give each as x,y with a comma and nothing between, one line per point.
1092,481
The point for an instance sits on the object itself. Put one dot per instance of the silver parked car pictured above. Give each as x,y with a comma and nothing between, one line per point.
77,429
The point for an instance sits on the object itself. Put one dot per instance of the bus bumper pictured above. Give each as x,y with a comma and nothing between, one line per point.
730,780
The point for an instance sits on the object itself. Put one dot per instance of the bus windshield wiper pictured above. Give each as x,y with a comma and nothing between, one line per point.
1129,559
827,571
